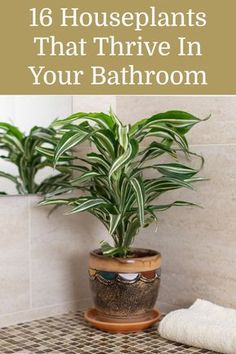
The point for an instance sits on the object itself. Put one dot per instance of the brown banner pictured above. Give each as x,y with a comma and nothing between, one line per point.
123,47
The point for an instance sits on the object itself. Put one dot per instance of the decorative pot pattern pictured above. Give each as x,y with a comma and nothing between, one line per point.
109,278
125,296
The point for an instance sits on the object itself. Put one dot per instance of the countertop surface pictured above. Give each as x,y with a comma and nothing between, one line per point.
70,334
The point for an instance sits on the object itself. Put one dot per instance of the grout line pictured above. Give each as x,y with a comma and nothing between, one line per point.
213,144
65,303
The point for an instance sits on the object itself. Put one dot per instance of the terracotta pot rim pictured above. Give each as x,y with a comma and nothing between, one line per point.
147,253
150,260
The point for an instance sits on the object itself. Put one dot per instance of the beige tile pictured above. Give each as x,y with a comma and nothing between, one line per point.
60,247
42,312
198,245
181,291
88,103
14,265
220,129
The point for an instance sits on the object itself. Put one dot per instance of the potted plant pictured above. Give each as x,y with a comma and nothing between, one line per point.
19,149
116,189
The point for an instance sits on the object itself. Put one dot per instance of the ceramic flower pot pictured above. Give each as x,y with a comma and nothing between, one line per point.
125,289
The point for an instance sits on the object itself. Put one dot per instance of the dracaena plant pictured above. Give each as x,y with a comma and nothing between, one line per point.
114,179
26,152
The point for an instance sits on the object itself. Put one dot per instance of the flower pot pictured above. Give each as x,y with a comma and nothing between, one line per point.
125,289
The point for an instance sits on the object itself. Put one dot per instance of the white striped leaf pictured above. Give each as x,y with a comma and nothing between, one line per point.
114,221
157,149
9,176
54,202
106,140
176,170
178,119
94,159
165,207
114,118
123,160
51,152
140,197
108,250
68,141
12,130
84,178
168,133
88,205
123,136
12,140
165,184
103,120
132,230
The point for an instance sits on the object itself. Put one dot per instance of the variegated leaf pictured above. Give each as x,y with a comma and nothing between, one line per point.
114,221
87,205
129,154
68,141
140,197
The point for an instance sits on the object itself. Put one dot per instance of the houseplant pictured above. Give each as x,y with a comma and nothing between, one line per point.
19,149
117,190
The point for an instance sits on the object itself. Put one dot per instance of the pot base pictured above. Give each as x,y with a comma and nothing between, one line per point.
92,316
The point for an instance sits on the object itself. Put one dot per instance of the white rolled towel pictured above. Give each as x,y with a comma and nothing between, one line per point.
203,325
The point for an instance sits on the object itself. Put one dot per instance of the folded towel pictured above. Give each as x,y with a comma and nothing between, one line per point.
203,325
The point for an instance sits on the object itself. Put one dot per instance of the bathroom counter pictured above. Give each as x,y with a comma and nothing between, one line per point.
69,334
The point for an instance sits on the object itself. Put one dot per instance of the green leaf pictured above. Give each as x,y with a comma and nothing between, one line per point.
164,207
128,155
154,188
178,119
123,135
44,134
183,121
175,170
11,129
54,202
13,142
108,250
114,221
105,139
155,150
97,159
168,133
132,230
102,119
140,197
114,118
87,205
84,178
68,141
9,176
